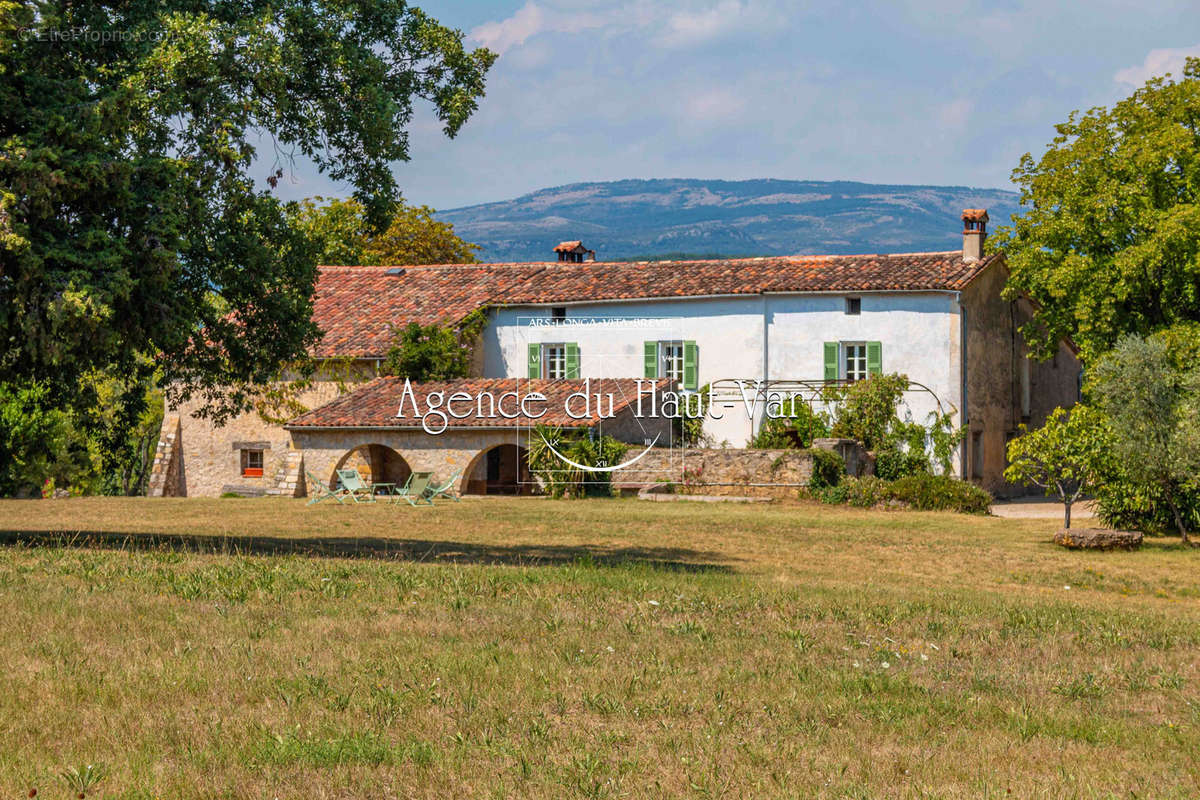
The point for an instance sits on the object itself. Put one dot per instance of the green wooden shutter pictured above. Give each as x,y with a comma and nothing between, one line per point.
572,359
690,363
831,361
874,358
651,357
535,361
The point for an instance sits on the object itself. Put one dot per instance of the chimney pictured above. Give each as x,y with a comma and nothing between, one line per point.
574,252
974,232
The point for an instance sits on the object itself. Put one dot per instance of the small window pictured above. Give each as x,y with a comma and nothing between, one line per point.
558,313
670,361
854,361
554,361
252,463
853,305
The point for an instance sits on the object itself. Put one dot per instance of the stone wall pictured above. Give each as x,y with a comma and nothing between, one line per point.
716,471
995,355
443,455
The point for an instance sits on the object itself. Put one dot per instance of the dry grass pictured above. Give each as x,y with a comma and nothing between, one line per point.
534,648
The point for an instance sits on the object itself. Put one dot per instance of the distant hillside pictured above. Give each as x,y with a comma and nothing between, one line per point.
620,219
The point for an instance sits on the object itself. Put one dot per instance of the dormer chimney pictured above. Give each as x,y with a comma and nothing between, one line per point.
574,252
975,222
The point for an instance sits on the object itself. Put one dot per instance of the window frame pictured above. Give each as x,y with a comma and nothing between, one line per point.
854,306
844,372
547,347
665,360
249,455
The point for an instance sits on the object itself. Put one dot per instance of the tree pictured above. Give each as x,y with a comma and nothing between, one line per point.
1067,456
38,444
343,235
434,352
132,224
1109,243
1153,406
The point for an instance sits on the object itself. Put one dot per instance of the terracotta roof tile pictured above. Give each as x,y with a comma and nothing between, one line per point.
375,403
354,305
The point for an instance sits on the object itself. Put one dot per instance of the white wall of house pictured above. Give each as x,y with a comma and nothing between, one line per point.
919,333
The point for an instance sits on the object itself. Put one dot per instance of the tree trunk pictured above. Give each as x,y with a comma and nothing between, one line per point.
1183,534
1067,515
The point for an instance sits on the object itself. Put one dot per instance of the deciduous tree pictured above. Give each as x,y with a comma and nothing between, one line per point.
1109,239
1067,456
132,218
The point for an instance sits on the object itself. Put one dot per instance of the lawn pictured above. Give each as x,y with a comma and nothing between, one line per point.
540,648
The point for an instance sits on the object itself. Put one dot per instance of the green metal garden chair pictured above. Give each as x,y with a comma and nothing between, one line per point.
320,490
358,489
446,489
416,490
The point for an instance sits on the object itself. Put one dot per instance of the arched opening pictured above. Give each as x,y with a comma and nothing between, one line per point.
377,463
503,469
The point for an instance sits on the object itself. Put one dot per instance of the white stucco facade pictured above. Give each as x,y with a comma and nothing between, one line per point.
774,337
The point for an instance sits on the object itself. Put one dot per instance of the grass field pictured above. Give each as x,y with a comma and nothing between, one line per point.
538,648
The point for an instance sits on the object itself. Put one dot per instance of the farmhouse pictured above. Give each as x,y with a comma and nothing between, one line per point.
739,324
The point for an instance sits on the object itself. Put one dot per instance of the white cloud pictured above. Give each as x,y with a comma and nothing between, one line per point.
655,22
693,27
1157,63
532,19
715,105
501,35
955,114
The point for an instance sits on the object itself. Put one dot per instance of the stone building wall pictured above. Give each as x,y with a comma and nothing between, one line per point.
998,367
443,455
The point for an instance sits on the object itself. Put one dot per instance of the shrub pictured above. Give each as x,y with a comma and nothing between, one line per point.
867,409
926,492
38,441
828,469
892,463
922,492
561,479
1124,504
859,492
795,428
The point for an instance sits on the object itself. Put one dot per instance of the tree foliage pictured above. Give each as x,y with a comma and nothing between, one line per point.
1154,407
1068,456
797,426
1109,243
37,441
344,236
132,224
434,352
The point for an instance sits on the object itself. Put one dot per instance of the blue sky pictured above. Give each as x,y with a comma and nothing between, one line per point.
900,92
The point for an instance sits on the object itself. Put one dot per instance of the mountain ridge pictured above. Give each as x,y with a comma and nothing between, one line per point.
765,216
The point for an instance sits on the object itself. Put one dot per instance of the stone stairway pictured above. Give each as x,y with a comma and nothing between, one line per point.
289,478
164,473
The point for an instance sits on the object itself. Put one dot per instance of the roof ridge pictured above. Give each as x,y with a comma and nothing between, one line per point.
568,265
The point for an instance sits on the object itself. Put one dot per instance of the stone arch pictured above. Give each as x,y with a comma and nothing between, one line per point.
376,462
499,469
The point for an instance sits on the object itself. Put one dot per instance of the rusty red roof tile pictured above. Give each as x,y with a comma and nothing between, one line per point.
355,306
